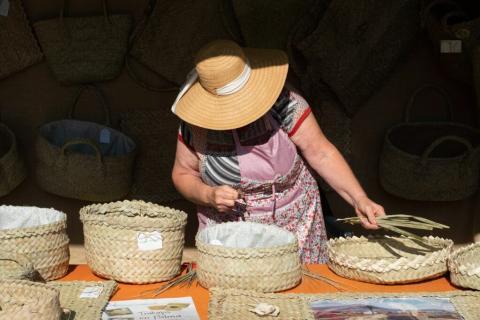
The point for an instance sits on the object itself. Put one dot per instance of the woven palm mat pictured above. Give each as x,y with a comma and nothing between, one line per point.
84,300
235,304
155,132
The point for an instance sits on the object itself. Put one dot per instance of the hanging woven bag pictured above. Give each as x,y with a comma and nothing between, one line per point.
430,161
12,166
84,160
85,49
18,47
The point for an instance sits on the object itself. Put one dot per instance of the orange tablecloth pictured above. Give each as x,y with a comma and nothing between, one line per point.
200,295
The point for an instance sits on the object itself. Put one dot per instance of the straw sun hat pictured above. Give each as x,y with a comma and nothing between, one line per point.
231,86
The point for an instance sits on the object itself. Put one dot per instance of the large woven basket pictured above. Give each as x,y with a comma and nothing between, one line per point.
464,266
388,260
24,300
133,241
18,46
12,166
247,255
15,266
84,160
39,234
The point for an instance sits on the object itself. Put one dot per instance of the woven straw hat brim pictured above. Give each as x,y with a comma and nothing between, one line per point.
206,110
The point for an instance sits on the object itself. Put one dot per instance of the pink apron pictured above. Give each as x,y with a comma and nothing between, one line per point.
278,189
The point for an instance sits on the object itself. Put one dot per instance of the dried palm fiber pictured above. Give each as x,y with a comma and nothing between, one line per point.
84,160
155,132
248,255
235,304
85,300
172,57
357,44
40,235
24,300
12,166
430,161
454,20
464,266
389,260
84,49
133,241
15,266
18,47
268,23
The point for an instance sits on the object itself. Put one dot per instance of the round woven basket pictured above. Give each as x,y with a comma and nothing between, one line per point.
40,235
12,166
134,241
28,300
14,266
388,260
464,266
249,256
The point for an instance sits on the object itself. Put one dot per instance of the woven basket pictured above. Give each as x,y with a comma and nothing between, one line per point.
12,166
464,266
15,266
388,260
247,255
133,241
84,160
18,46
442,164
24,300
85,49
40,235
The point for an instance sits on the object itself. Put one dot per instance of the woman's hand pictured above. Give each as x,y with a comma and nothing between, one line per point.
367,211
223,198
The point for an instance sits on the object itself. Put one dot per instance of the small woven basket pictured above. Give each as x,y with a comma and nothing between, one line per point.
134,241
28,300
12,166
464,266
249,256
388,260
14,266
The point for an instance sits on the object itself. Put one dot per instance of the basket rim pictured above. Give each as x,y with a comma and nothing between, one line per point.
386,265
468,268
13,140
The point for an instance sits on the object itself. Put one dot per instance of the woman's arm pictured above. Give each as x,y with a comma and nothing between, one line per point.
327,161
187,180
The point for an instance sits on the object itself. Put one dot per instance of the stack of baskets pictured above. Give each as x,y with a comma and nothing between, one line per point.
464,266
248,256
389,260
134,241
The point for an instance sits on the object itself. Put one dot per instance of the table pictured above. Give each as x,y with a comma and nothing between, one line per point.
308,285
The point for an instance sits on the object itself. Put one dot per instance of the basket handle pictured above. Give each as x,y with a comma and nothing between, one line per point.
460,33
413,99
426,10
104,6
439,141
101,99
20,259
87,142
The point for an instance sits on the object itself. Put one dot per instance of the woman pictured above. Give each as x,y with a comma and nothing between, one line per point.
237,156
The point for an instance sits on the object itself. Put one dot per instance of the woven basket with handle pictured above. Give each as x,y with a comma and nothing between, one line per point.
85,49
247,255
40,235
12,166
18,47
464,267
20,299
84,160
388,260
430,161
133,241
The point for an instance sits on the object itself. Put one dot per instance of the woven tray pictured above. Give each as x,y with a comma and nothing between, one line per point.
75,298
38,233
464,266
388,260
133,241
247,255
28,300
235,304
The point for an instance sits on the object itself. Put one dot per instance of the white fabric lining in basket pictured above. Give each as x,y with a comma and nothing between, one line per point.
12,217
246,235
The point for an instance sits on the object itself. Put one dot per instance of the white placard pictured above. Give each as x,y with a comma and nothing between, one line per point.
92,292
450,46
149,241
